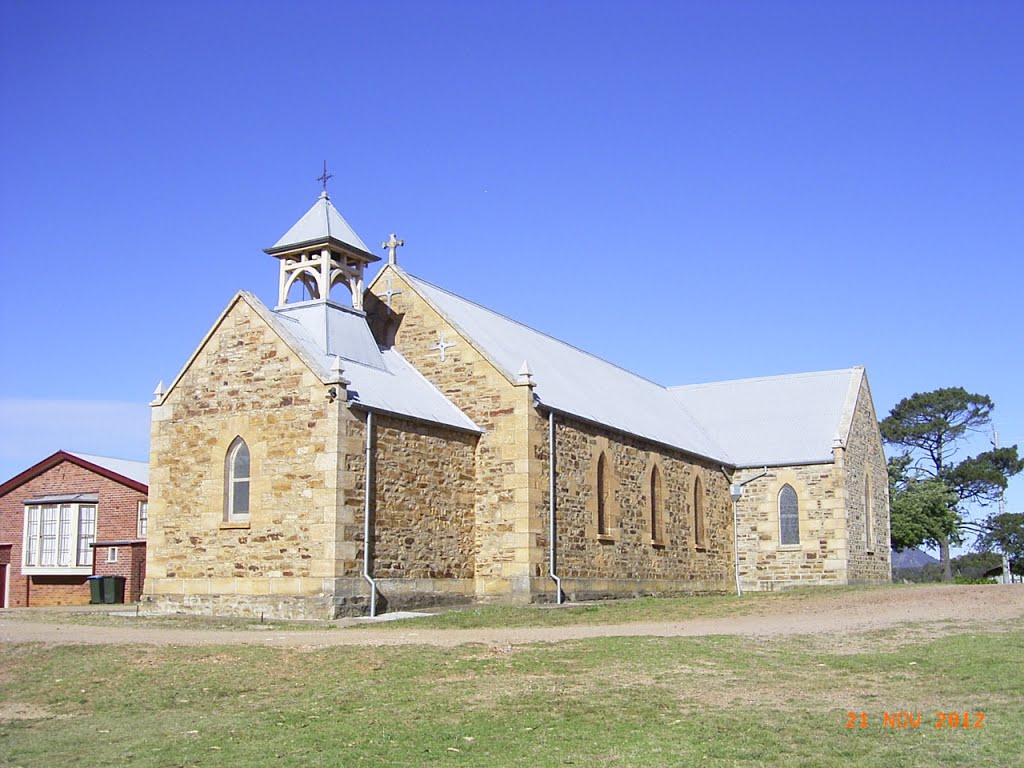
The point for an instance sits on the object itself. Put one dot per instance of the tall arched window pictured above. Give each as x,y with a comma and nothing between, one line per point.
602,495
869,516
237,476
789,516
656,504
698,514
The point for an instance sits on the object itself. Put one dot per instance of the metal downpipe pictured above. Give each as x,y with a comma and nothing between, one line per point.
551,509
367,537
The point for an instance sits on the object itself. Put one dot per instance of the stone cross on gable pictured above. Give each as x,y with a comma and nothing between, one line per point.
392,244
443,345
390,292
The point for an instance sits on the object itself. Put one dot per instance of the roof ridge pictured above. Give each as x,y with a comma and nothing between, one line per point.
801,375
564,343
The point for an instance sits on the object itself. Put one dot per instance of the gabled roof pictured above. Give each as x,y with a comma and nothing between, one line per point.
134,474
380,380
320,223
572,381
777,420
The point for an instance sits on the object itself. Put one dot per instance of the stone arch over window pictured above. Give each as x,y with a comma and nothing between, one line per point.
238,476
656,506
789,517
869,515
603,504
699,527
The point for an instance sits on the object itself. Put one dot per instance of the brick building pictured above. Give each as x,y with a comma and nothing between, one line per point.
481,459
69,517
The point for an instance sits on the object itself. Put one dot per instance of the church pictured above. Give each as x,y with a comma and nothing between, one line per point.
408,447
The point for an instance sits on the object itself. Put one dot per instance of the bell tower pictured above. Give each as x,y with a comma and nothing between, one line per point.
320,251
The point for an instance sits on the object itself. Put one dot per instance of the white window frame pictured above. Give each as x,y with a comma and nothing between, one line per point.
57,538
233,480
143,518
111,554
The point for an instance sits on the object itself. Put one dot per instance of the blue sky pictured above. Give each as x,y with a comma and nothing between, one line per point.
696,191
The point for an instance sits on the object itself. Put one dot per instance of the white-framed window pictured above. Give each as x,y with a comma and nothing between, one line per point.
57,537
111,554
143,518
236,494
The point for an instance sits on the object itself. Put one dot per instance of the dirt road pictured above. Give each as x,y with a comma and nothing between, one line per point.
829,614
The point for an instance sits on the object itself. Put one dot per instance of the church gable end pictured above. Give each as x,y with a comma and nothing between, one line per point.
243,384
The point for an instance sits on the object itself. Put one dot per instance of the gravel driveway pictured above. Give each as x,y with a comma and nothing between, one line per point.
829,614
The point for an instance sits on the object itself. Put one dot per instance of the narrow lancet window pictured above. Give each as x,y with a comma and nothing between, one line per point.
238,478
698,515
789,517
656,505
602,496
869,515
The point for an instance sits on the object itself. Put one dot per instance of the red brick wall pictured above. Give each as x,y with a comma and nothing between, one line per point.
131,563
116,519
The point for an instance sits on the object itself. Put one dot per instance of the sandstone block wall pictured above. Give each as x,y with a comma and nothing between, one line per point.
505,552
245,382
864,462
821,555
631,558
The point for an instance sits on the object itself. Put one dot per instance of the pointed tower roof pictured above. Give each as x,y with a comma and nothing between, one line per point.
321,223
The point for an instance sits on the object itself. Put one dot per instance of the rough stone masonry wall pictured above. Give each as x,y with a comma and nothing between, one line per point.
116,518
246,382
423,513
821,555
865,458
505,548
630,560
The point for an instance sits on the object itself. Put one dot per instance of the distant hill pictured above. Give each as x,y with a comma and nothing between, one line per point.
911,559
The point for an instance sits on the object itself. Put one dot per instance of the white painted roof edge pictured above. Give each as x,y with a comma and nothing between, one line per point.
849,406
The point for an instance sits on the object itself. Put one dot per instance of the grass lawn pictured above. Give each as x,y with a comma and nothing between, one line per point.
718,701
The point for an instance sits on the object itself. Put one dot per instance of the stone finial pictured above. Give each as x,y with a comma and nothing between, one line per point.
158,393
525,376
392,244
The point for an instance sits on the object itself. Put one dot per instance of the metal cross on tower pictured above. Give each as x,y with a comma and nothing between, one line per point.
323,179
443,345
390,292
392,244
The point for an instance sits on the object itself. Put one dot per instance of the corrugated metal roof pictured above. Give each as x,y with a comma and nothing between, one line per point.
385,382
133,470
320,222
339,330
573,381
777,420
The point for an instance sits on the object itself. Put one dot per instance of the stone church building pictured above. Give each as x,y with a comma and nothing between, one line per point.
414,448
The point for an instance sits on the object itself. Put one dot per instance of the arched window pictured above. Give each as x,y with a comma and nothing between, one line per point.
656,504
602,495
238,477
869,516
698,514
789,516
